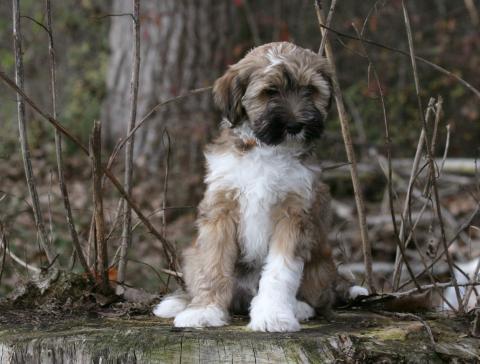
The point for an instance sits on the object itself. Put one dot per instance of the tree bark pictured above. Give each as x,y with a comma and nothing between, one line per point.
184,45
350,337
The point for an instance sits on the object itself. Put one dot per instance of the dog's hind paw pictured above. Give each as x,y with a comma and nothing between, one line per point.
303,311
356,291
170,306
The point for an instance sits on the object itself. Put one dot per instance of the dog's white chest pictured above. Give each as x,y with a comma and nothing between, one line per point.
263,177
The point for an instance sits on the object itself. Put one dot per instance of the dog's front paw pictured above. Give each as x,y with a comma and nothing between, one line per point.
266,315
303,311
207,316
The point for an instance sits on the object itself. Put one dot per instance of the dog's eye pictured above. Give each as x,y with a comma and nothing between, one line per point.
310,90
271,91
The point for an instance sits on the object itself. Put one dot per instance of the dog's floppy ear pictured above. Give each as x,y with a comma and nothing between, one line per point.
330,86
326,72
228,91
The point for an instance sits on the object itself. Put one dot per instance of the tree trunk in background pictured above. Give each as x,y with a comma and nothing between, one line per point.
184,45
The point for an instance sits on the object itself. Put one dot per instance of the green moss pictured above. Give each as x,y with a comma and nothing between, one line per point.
389,334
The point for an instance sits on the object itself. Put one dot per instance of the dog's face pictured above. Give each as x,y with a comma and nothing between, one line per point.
281,90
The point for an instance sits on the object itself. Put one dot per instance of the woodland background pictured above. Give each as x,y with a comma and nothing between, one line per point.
186,45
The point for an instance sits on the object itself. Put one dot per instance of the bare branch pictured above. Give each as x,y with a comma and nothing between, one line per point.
429,153
152,111
128,174
416,162
58,147
166,245
388,174
22,127
331,11
102,260
6,250
404,53
367,251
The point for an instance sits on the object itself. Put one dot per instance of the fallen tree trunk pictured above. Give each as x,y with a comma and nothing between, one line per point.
353,336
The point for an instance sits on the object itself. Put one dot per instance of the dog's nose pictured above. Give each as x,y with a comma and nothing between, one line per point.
294,128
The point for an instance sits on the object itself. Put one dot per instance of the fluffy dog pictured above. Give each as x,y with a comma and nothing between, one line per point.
263,222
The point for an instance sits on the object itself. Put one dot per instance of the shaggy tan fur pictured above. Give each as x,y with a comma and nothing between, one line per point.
264,220
209,264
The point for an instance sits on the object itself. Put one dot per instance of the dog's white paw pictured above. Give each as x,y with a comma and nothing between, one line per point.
170,307
303,311
356,291
266,315
207,316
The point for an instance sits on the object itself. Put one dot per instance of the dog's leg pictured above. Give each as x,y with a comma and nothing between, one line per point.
319,280
209,264
275,306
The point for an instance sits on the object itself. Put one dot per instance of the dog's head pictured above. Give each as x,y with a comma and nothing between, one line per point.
281,90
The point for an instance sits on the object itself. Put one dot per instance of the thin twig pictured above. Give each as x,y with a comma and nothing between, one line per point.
165,181
397,272
400,243
102,259
172,273
429,150
465,225
167,247
165,191
151,267
122,142
36,22
162,209
22,127
404,53
431,286
114,15
438,113
410,316
447,145
331,11
367,251
127,183
58,146
6,249
4,255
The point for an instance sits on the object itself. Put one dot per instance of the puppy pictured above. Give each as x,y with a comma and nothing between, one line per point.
263,222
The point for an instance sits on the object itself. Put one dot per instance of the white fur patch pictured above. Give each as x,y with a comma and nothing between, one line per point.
273,309
209,316
303,311
171,306
263,177
274,59
356,291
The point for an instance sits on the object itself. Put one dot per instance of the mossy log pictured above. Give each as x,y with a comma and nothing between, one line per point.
348,337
